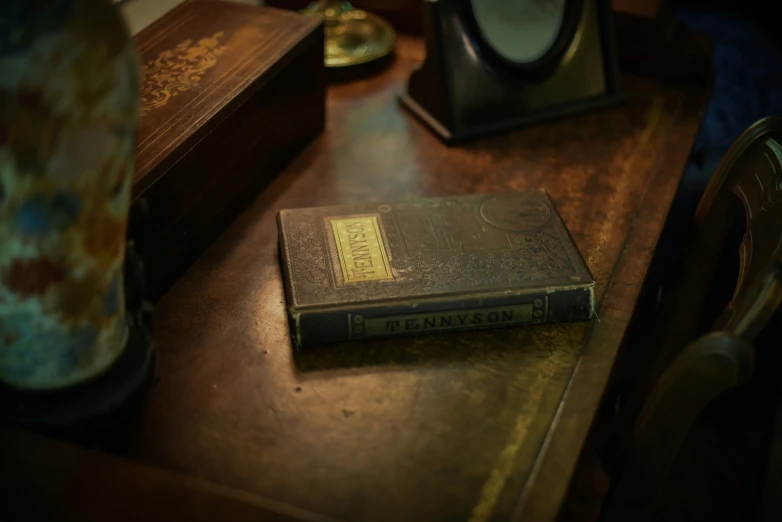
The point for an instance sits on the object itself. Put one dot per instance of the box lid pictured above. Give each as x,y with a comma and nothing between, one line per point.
199,63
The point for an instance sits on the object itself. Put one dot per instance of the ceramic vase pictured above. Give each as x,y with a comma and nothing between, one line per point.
68,117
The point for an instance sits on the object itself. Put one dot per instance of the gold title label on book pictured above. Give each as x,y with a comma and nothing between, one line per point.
361,327
360,248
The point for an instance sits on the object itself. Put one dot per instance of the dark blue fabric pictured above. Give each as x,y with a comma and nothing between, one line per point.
747,87
748,83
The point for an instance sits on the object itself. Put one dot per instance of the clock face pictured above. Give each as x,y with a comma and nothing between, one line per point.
520,31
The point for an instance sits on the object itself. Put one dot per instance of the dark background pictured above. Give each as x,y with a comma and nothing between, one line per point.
748,83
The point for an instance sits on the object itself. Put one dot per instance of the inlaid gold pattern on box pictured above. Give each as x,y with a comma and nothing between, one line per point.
178,70
362,254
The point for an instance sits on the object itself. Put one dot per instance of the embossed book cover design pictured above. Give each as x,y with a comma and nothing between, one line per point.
430,265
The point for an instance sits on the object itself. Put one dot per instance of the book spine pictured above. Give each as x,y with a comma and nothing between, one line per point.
324,326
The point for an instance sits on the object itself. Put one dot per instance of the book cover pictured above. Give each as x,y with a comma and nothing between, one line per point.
374,270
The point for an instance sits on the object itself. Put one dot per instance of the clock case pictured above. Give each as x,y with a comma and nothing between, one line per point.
464,89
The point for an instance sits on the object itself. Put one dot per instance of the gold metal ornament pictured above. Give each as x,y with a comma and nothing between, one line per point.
353,36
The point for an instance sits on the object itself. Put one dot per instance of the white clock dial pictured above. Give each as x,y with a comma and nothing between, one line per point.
520,31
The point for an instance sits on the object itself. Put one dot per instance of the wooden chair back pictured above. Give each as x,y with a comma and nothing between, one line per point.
749,177
692,368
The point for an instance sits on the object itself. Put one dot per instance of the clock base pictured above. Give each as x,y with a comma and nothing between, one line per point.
462,92
455,137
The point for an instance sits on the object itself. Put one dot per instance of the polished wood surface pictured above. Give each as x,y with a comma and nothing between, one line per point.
473,426
228,88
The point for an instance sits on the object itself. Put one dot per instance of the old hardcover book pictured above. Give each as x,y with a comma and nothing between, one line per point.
430,265
231,93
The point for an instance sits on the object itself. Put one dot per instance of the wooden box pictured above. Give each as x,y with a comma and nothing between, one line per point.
231,93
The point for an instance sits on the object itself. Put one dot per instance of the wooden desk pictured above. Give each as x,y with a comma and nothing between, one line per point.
477,426
470,426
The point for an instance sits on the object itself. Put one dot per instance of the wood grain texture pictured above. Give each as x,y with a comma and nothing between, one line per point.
232,93
476,426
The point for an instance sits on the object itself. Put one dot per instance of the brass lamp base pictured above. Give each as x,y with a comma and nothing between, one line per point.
353,36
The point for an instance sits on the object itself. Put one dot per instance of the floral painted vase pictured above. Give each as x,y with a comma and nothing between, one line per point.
68,116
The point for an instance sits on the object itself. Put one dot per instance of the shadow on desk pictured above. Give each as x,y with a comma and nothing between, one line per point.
461,349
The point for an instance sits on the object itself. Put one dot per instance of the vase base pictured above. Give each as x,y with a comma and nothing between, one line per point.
130,376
